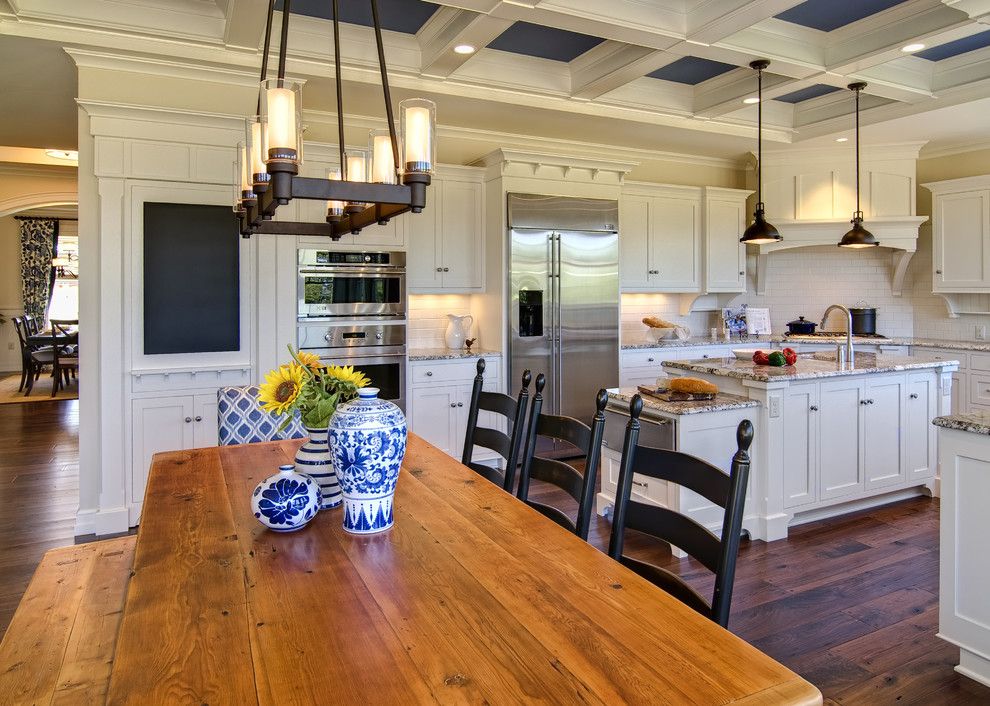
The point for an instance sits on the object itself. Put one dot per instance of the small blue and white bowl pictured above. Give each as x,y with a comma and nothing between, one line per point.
286,501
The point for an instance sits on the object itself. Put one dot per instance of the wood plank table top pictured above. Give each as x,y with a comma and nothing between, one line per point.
472,597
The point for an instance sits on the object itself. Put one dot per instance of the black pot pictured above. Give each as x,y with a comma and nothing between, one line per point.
864,321
801,326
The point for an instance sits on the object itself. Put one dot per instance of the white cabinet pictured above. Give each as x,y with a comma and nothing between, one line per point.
725,256
168,424
961,402
800,420
642,366
660,238
439,399
884,422
446,242
961,234
840,439
920,439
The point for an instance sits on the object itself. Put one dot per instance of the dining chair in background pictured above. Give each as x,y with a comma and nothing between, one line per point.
581,486
65,357
241,420
34,358
717,553
505,444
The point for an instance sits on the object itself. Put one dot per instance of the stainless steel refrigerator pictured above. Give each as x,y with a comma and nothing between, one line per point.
564,303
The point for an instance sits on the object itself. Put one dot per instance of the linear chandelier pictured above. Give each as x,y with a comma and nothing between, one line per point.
365,190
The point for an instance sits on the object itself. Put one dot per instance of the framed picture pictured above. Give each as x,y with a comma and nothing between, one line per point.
734,319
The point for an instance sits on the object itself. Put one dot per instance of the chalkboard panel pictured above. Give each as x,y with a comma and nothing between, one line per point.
191,279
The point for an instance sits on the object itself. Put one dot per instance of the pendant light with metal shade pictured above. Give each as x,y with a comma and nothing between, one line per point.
760,232
858,236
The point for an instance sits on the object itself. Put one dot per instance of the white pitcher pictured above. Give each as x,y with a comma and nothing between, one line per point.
458,329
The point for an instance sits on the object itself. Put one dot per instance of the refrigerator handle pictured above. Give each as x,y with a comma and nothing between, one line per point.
550,302
558,354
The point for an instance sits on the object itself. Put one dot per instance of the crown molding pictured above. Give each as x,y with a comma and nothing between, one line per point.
936,152
37,170
161,66
547,159
871,152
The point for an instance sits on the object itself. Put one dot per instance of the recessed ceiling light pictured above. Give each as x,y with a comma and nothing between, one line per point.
464,49
751,100
918,46
842,139
63,154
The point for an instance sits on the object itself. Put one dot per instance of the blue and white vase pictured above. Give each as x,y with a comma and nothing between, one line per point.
367,443
286,501
313,459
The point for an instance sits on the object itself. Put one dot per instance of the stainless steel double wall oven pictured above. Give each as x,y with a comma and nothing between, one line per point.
352,311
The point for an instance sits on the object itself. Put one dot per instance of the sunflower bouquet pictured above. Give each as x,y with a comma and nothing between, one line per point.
307,385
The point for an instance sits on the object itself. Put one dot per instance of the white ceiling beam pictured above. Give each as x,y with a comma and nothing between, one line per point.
961,70
978,10
245,23
907,80
450,27
714,20
855,50
724,94
611,65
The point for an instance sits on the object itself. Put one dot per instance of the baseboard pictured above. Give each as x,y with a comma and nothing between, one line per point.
843,508
101,522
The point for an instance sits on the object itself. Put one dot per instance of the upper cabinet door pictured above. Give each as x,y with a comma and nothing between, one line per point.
962,241
675,244
462,235
422,231
725,256
634,242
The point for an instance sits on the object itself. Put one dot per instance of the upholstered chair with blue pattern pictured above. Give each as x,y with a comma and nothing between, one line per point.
243,421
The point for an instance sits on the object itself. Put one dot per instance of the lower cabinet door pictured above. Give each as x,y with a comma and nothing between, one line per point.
158,424
800,433
884,417
205,432
434,416
840,441
920,433
960,393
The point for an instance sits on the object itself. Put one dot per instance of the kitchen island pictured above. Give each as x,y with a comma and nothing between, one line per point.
832,438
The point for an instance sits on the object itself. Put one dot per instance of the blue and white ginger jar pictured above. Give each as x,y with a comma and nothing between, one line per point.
313,459
286,501
367,444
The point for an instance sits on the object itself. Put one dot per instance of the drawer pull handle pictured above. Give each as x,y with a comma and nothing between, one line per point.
640,484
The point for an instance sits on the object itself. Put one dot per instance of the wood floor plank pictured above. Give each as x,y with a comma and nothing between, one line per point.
34,646
203,654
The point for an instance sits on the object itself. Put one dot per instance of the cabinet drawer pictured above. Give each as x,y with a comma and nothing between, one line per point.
645,358
979,361
443,372
979,389
942,354
645,490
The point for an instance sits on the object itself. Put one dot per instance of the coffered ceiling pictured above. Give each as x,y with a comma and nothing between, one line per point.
679,65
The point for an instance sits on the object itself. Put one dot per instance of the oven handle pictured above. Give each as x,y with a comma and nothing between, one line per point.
354,271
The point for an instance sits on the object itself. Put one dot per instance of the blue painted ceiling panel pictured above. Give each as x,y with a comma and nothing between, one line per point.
405,16
960,46
544,42
819,89
691,70
826,15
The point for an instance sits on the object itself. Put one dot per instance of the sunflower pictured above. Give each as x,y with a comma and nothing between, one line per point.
310,360
347,374
281,389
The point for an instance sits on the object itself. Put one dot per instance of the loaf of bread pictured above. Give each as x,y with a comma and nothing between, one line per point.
694,386
657,322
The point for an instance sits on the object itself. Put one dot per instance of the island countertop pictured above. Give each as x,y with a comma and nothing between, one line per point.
622,396
973,422
815,366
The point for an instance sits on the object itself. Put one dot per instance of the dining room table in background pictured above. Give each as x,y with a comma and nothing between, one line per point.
470,597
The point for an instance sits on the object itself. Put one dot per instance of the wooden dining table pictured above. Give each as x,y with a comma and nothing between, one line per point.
471,597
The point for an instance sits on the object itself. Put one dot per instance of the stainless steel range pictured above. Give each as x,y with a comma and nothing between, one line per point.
353,285
376,349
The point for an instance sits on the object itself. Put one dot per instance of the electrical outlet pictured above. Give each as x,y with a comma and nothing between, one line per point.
981,333
774,406
10,346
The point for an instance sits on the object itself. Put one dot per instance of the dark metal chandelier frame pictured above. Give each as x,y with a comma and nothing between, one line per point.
367,203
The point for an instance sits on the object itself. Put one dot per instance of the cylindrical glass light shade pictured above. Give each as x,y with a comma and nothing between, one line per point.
335,209
357,166
281,115
257,150
418,119
382,160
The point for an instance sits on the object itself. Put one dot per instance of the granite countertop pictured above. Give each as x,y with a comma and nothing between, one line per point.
722,401
808,367
448,354
974,422
694,341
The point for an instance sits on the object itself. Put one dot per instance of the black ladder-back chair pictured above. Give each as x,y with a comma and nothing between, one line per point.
66,358
34,358
580,486
727,491
505,445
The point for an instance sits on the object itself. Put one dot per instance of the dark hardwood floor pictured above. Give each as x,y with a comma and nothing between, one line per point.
850,603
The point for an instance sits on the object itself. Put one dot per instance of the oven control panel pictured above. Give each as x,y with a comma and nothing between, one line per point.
349,258
313,336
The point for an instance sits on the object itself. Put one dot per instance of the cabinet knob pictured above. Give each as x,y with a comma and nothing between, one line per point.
446,269
439,269
453,404
188,419
460,404
814,408
199,418
650,360
913,395
429,373
863,402
938,272
742,272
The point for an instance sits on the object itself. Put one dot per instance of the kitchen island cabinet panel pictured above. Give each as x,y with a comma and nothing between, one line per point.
841,438
883,423
801,414
920,442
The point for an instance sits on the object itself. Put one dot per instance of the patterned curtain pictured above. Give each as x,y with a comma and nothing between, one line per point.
37,238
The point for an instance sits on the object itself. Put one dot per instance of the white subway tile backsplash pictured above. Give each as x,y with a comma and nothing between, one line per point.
428,317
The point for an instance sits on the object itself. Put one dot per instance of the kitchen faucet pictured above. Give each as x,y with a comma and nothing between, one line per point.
850,358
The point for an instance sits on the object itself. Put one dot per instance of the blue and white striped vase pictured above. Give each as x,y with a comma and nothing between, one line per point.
367,443
313,459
